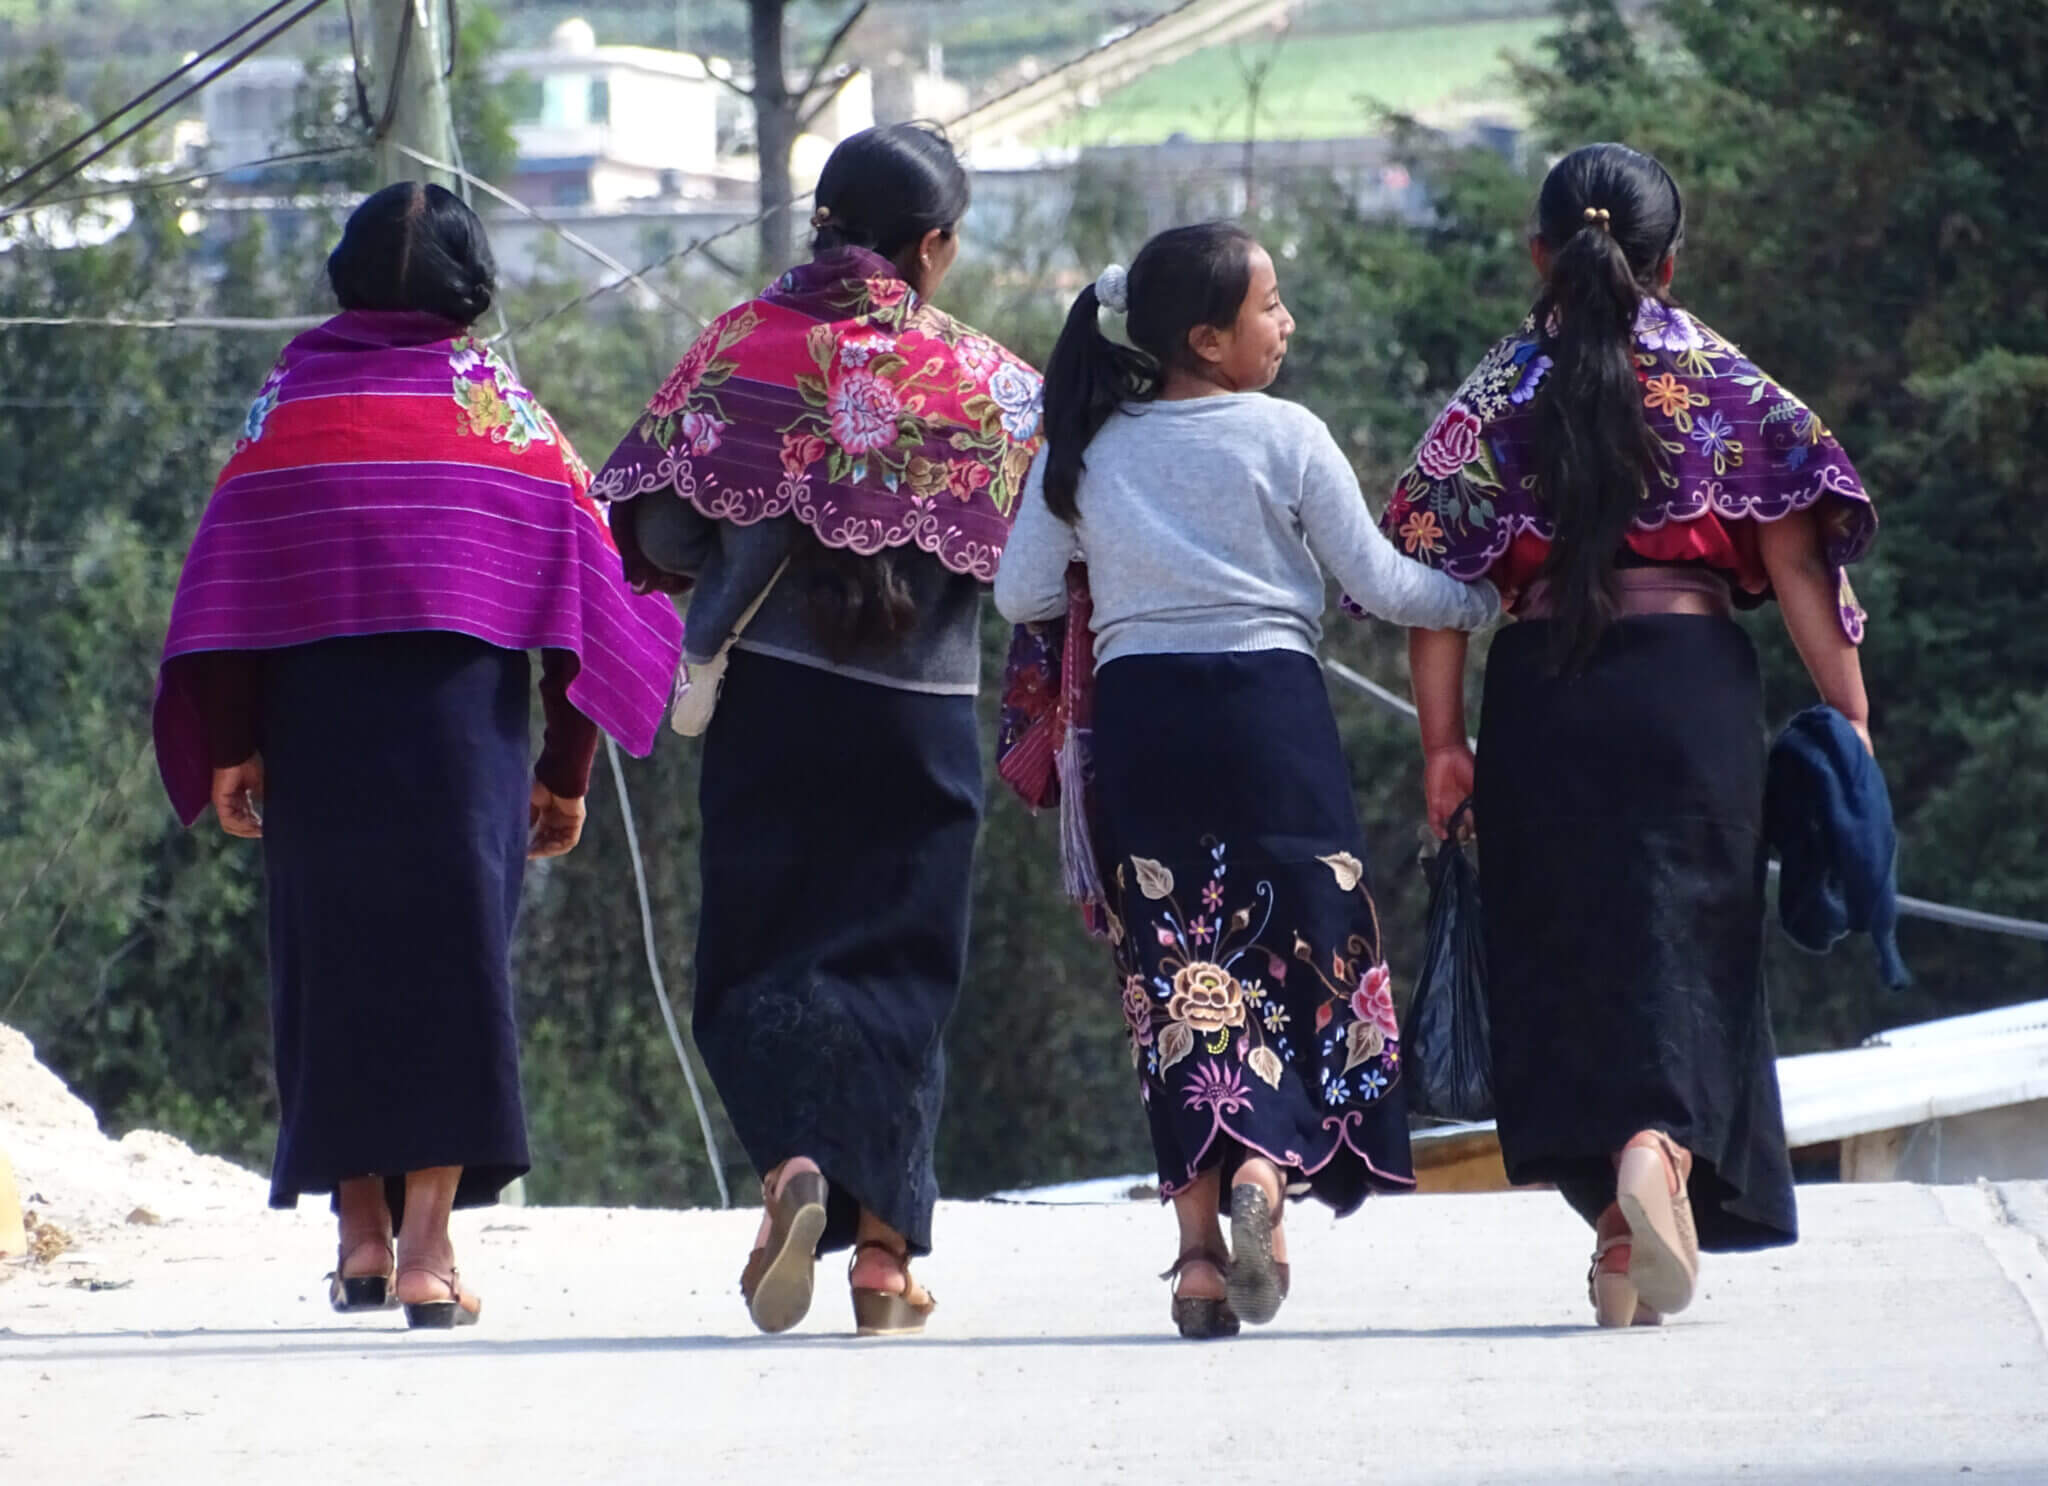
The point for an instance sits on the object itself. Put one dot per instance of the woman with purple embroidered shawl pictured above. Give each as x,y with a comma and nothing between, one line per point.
1628,479
400,524
832,470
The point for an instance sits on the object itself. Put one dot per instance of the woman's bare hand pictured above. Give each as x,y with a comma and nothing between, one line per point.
238,797
553,825
1446,784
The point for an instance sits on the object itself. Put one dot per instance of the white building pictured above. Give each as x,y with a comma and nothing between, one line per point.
600,126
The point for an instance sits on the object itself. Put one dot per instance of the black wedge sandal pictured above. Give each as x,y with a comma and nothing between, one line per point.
350,1294
442,1315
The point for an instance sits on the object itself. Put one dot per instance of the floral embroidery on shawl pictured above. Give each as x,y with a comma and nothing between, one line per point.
1737,446
840,397
493,403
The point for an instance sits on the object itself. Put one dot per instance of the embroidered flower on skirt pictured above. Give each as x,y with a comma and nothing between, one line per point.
1260,1011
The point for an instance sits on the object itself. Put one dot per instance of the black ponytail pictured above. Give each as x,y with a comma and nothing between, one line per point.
1610,218
1184,277
882,189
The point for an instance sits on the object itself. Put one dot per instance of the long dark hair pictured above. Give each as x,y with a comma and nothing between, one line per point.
1184,277
414,247
1609,217
882,189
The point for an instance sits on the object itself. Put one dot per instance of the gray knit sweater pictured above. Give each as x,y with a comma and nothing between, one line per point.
1203,523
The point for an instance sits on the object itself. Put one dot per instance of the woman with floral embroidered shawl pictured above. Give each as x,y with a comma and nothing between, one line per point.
400,524
847,458
1628,479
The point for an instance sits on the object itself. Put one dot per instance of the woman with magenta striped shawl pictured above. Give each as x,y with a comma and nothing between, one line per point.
400,524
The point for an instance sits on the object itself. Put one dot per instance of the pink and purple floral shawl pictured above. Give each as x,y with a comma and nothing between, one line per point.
843,399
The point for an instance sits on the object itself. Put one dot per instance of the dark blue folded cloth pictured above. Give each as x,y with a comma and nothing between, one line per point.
1828,816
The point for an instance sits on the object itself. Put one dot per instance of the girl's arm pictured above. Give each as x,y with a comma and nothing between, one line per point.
1807,586
1436,668
1344,538
1031,583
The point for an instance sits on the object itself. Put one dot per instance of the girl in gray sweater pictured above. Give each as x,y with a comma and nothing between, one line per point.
1259,1003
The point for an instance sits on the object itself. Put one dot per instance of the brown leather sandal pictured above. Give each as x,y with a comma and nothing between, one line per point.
777,1281
884,1312
460,1309
1258,1281
1202,1318
351,1293
1664,1253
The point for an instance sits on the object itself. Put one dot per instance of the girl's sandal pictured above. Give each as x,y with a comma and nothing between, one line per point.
885,1312
1664,1253
1258,1281
1615,1301
777,1280
363,1292
1202,1318
460,1309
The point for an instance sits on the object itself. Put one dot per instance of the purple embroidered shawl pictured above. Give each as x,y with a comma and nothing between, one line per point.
1738,447
840,397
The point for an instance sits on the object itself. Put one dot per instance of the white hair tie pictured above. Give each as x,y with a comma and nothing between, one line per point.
1113,289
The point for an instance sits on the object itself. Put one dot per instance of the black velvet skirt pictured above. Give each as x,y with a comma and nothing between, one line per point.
1248,954
838,853
396,774
1621,856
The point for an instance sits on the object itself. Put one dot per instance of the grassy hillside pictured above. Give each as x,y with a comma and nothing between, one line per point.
1320,86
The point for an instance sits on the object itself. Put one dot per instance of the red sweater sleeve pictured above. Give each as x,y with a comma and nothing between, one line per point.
228,687
570,744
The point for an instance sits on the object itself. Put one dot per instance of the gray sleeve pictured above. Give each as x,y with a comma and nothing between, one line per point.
1348,542
673,534
1031,583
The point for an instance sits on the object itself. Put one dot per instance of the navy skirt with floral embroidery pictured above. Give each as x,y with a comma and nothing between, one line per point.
1259,1003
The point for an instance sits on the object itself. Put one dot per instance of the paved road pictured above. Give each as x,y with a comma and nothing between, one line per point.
1429,1339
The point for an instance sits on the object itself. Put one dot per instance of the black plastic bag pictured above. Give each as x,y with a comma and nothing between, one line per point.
1446,1042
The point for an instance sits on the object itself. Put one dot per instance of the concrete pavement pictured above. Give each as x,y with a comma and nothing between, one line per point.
1428,1339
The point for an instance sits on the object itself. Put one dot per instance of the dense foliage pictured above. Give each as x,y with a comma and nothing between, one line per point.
1869,193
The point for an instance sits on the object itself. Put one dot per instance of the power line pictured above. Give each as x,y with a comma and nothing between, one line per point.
160,110
192,322
141,98
575,240
164,183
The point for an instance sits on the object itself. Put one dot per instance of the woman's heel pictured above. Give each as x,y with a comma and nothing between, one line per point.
1664,1252
885,1312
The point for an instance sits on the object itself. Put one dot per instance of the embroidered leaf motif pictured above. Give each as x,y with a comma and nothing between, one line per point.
1175,1043
1116,927
1363,1042
1346,868
813,389
1267,1065
1323,1015
1154,880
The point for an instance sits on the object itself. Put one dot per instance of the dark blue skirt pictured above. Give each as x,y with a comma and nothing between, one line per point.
838,864
1254,983
397,773
1620,818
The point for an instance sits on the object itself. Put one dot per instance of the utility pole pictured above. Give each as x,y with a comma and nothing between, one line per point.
409,61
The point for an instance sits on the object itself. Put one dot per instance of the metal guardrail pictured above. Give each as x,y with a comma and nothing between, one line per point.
1921,908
